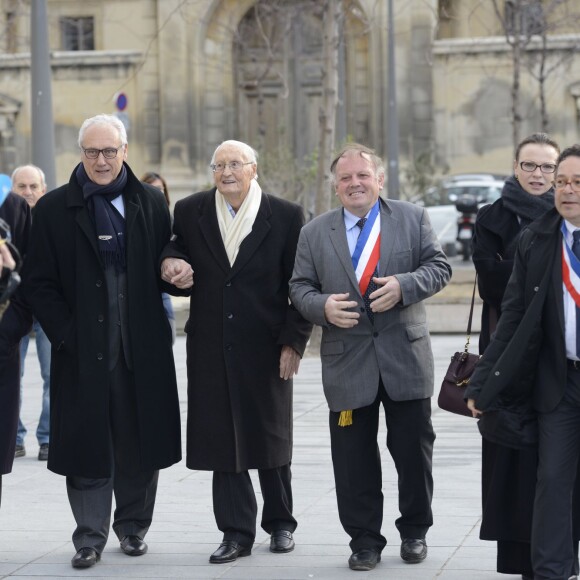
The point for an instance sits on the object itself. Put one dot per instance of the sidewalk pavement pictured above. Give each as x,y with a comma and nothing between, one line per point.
36,521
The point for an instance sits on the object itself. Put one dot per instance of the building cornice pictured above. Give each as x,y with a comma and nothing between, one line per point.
80,58
498,44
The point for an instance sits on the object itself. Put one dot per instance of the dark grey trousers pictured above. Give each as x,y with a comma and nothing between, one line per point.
91,499
235,507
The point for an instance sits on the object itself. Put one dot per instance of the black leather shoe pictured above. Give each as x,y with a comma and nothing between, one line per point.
85,558
281,542
229,551
133,546
364,560
413,550
43,452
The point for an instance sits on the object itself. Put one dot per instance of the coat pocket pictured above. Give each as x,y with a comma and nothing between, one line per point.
332,347
417,331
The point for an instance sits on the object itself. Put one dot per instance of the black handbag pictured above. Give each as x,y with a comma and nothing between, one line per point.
459,373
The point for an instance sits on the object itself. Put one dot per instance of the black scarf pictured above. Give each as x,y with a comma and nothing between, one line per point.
109,223
526,206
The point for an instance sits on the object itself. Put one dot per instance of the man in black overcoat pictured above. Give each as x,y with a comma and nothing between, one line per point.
92,280
535,354
244,344
15,324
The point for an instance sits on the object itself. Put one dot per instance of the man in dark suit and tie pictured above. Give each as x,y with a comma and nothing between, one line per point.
362,272
544,365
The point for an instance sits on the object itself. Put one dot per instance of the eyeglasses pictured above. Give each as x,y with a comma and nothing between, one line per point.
529,166
108,153
560,184
233,166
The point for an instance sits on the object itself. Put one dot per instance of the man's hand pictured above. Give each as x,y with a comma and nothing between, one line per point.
471,406
177,272
387,295
337,313
289,362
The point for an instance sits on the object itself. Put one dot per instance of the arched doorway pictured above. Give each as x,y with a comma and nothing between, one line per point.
278,73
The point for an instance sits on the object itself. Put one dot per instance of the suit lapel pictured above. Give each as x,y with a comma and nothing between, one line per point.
251,243
389,226
210,230
557,285
340,245
75,201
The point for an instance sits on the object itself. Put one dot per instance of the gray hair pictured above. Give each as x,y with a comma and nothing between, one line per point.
104,119
30,166
365,152
250,154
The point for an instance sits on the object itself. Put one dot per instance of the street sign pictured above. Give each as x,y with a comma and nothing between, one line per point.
120,101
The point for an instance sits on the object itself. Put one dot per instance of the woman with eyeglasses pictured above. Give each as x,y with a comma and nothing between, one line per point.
509,474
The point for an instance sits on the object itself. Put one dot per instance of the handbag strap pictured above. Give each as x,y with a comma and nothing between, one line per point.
470,319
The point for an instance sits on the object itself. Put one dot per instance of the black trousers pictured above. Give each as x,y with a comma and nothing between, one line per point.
358,476
91,499
554,551
235,507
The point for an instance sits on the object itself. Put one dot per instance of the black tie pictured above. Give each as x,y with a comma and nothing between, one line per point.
372,286
576,250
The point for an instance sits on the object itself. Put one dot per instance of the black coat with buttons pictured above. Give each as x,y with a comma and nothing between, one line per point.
239,409
65,285
528,352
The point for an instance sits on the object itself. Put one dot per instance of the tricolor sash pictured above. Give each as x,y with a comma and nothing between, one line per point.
570,269
366,252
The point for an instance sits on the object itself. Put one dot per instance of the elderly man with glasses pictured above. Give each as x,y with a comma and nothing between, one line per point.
91,280
244,343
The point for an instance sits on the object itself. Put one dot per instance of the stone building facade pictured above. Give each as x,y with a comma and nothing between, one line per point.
196,72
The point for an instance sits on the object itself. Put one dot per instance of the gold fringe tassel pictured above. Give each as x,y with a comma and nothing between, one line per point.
345,418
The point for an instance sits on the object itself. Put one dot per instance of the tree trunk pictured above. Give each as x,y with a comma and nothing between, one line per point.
329,102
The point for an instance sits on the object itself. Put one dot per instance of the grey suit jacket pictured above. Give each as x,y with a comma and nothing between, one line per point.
397,347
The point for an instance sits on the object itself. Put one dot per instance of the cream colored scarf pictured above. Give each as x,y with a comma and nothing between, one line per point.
235,229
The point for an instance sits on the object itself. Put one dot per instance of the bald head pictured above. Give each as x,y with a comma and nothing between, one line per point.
29,182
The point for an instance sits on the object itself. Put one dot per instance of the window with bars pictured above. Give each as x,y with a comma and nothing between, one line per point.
77,32
524,17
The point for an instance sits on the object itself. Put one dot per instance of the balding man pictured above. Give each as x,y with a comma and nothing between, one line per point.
28,182
244,343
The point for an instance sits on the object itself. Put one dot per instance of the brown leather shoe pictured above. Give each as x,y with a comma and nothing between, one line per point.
229,551
281,542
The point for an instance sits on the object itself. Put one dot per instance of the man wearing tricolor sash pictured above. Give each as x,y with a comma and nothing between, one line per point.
362,273
541,364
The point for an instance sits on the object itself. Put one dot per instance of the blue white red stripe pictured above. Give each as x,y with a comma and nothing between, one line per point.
570,269
366,253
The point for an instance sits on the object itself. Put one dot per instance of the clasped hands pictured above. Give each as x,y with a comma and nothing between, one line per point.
338,308
177,272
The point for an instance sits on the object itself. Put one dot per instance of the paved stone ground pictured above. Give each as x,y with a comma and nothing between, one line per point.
36,523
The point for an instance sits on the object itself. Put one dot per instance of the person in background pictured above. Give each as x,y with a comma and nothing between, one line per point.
16,323
362,273
244,344
28,181
157,181
509,474
92,280
534,355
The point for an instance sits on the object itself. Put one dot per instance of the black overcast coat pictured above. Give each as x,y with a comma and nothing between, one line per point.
239,409
65,286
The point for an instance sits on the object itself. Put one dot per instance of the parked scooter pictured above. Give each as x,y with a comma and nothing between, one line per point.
467,205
